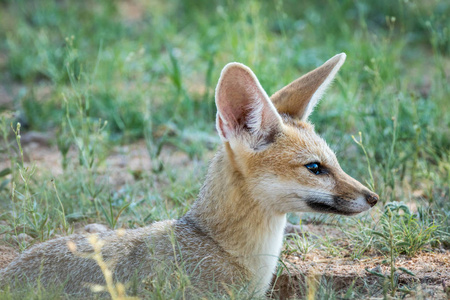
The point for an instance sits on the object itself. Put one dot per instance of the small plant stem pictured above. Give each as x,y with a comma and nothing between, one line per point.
392,255
74,135
62,206
389,177
360,143
22,169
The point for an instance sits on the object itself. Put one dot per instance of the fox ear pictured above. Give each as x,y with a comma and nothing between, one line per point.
299,98
243,107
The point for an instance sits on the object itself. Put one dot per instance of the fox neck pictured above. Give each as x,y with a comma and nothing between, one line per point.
238,222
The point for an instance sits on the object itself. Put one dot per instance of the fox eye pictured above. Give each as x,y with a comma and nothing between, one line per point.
315,168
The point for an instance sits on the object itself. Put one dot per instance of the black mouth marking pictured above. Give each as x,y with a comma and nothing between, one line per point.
319,206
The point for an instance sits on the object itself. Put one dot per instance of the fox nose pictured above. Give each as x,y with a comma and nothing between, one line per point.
372,199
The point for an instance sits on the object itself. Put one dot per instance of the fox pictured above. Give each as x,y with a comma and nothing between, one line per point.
270,162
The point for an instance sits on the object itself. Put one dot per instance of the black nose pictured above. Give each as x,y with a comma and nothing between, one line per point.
372,199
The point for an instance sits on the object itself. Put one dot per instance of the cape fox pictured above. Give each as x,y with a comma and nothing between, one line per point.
271,162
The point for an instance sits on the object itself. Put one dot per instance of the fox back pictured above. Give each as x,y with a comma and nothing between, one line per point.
271,162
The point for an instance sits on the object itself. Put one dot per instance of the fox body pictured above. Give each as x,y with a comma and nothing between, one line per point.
271,162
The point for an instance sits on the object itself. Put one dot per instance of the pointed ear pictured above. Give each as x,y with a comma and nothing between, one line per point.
243,108
299,98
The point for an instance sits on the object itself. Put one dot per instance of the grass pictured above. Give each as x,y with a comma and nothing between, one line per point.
100,76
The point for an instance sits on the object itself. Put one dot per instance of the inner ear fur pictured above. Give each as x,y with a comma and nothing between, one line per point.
243,107
299,98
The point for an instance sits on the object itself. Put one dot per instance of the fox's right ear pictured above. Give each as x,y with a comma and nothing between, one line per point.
299,98
243,108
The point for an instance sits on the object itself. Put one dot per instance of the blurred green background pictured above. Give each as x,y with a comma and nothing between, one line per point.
139,60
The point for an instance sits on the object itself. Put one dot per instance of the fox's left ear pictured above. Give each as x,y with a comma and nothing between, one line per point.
299,98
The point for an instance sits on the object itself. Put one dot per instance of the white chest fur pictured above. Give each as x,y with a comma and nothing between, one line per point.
263,259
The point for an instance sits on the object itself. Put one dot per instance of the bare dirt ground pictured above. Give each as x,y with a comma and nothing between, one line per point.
432,270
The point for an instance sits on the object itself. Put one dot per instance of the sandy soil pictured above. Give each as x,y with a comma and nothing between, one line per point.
431,270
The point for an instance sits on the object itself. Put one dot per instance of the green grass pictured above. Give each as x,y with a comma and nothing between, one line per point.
98,75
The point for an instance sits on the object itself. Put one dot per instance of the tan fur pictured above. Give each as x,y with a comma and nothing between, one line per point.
233,233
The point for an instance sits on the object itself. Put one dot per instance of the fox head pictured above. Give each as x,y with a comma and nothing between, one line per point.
273,146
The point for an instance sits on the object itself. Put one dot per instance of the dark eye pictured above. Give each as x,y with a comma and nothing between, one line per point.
315,168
